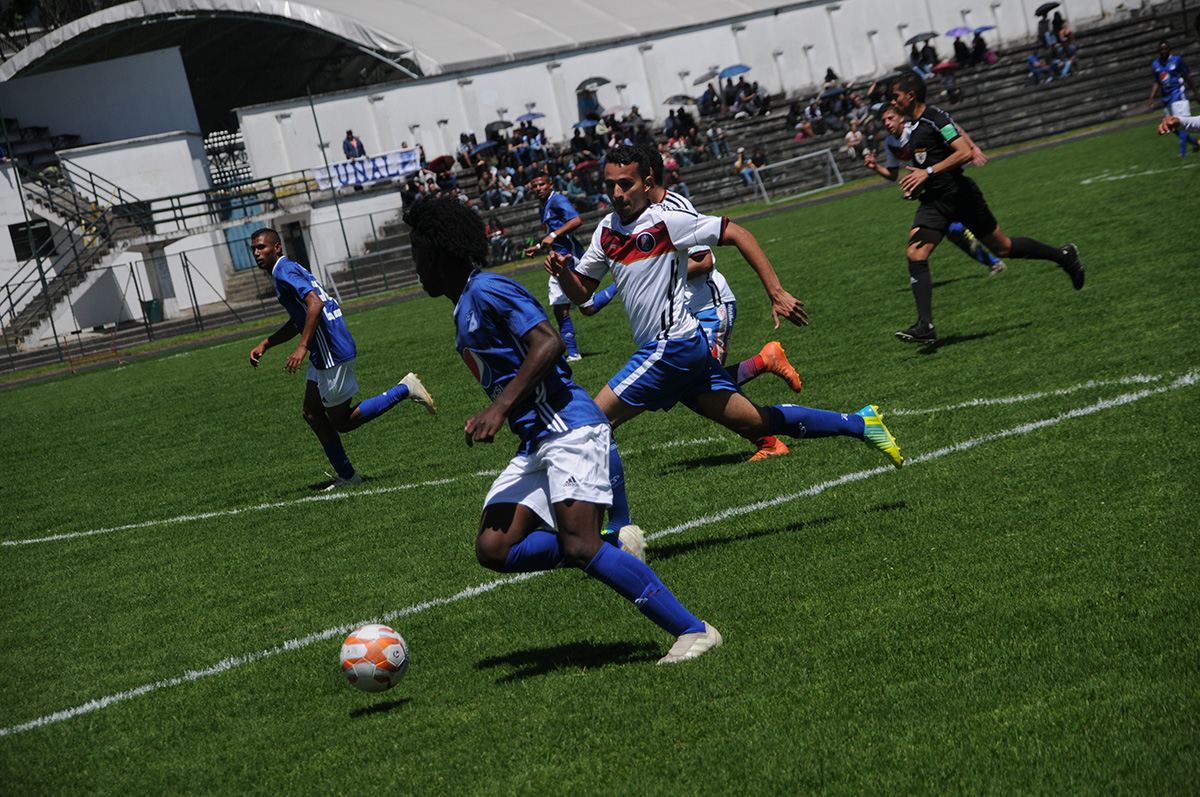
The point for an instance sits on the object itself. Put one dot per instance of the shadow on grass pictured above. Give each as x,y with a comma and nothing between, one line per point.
656,552
532,662
950,340
715,459
380,708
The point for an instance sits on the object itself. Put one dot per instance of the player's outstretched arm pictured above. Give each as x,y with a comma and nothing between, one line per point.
281,335
544,347
782,302
875,166
577,289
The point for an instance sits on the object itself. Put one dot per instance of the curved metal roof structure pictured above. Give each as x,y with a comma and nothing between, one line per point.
243,52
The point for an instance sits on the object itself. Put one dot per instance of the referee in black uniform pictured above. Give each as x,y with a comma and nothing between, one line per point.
939,152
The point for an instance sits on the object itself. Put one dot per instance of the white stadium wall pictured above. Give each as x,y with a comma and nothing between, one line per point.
138,95
788,50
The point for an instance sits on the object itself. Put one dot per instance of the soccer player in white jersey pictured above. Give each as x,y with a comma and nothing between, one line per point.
545,509
644,246
324,338
712,301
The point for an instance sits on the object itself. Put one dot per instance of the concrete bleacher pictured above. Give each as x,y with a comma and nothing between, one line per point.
1111,80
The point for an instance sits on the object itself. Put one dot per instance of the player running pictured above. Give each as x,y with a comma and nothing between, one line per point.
545,509
559,220
940,151
714,305
1171,75
896,147
640,244
316,318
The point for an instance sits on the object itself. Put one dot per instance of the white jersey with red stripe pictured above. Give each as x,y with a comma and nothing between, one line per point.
707,290
648,260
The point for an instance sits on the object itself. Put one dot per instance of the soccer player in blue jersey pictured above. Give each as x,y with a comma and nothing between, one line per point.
545,509
559,221
325,339
644,246
1171,76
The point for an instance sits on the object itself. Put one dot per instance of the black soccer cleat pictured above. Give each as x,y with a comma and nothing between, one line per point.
1072,265
918,333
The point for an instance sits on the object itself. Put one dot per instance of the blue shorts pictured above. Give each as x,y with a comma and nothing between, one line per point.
717,325
664,372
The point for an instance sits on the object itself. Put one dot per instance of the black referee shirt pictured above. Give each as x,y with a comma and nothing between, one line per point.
929,142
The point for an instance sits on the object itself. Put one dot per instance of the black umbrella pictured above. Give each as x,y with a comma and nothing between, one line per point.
707,76
499,124
592,83
921,37
1045,8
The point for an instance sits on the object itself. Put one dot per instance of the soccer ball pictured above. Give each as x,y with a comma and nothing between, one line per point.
374,658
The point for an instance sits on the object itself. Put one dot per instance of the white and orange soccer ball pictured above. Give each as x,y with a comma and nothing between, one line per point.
374,658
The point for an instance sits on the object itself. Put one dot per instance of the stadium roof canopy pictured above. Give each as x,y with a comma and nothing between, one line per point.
244,52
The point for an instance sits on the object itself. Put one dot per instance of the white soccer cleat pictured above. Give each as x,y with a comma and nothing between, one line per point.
338,481
633,541
418,393
689,646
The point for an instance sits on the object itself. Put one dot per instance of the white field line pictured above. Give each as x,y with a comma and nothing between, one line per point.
1107,177
1187,380
1128,380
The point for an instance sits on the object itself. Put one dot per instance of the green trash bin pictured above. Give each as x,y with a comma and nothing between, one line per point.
152,311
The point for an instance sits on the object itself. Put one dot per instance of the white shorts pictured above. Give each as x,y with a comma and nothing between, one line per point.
1178,108
337,385
568,466
557,297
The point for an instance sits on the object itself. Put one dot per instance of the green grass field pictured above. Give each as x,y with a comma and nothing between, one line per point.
1015,611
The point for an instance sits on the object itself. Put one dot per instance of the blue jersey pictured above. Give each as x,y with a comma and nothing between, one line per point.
491,316
1170,78
557,211
331,342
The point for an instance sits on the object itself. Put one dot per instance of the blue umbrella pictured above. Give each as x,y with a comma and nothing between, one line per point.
959,31
529,117
586,123
478,148
733,71
983,28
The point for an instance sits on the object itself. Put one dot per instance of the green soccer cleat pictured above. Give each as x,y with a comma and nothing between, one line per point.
877,435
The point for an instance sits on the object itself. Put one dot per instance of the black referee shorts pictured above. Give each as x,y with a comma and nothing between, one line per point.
962,202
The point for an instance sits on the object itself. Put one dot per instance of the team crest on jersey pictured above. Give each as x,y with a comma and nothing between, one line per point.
919,157
645,242
479,369
629,249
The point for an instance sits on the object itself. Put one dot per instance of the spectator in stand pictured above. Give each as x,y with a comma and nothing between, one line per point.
672,179
797,122
497,241
854,141
684,119
1039,70
671,124
729,93
763,95
1062,31
815,118
352,146
583,201
580,147
1044,34
716,141
929,57
508,192
488,189
745,166
678,147
410,193
520,184
962,53
980,54
462,153
710,101
745,104
915,63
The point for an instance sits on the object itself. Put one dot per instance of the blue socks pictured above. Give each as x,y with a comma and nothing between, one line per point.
603,297
378,405
631,578
618,513
793,420
1184,140
566,328
538,551
337,458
